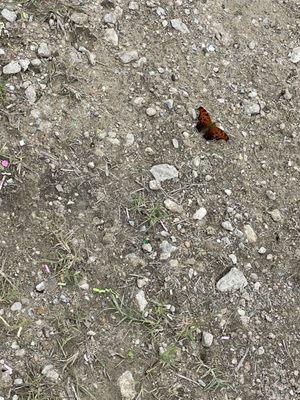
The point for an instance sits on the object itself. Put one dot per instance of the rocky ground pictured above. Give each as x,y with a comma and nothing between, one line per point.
138,260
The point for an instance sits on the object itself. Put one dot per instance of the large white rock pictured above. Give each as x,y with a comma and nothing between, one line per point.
164,172
232,281
12,68
180,26
127,386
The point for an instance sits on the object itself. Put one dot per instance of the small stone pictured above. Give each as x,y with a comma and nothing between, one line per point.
133,5
20,353
12,68
232,281
167,249
9,15
260,351
36,62
129,140
2,52
178,25
147,247
127,386
173,206
150,111
50,373
262,250
128,56
169,103
30,94
276,215
252,45
91,165
59,188
40,287
141,282
141,300
110,19
175,143
24,64
111,36
295,55
18,382
200,214
287,94
79,18
233,258
43,50
163,172
250,234
17,306
251,108
271,195
207,339
154,185
227,226
135,260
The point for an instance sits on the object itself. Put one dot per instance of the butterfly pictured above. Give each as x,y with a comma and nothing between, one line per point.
209,128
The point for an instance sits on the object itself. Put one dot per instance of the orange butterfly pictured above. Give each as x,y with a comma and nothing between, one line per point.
209,128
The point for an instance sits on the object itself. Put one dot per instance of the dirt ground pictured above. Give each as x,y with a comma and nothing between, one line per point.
116,283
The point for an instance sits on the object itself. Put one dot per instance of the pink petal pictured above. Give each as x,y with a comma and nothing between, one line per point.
5,163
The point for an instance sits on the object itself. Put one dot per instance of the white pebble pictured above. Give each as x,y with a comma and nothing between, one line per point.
150,111
227,225
200,214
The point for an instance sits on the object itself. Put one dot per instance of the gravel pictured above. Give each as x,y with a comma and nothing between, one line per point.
111,36
141,300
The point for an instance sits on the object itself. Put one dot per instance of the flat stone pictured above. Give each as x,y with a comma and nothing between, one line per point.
207,339
173,206
17,306
232,281
250,234
111,36
12,68
200,214
251,107
141,300
154,185
126,384
178,25
129,56
295,55
43,50
164,172
9,15
79,18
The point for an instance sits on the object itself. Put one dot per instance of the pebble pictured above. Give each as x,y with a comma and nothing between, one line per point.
12,68
79,18
150,111
167,249
111,36
232,281
252,45
36,62
40,287
276,215
169,103
175,143
262,250
126,384
227,226
164,172
129,139
135,260
110,19
271,195
295,55
178,25
141,282
30,94
24,63
233,258
287,94
207,339
173,206
154,185
250,234
50,373
9,15
133,5
200,214
18,381
141,300
147,247
17,306
251,108
43,50
129,56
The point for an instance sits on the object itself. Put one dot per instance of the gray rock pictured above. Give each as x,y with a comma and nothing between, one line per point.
133,5
252,45
141,282
207,339
111,36
141,300
110,19
150,111
251,107
154,185
200,214
227,226
232,281
12,68
163,172
295,55
79,18
173,206
147,247
50,373
129,56
135,260
17,306
169,103
9,15
24,64
178,25
2,52
276,215
127,386
167,249
271,195
250,234
36,62
44,51
129,139
30,94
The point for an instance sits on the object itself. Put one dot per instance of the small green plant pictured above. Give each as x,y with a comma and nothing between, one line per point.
189,332
212,379
152,212
168,357
8,289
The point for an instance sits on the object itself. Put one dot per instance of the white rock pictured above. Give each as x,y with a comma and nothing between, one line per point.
200,214
24,64
50,373
129,139
147,247
141,300
141,282
167,249
110,19
175,143
276,215
252,45
271,195
43,50
251,107
163,172
127,386
173,206
12,68
111,36
295,55
233,258
262,250
40,287
154,185
178,25
150,111
30,94
79,18
227,226
250,234
17,306
169,103
2,52
207,339
232,281
133,5
129,56
9,15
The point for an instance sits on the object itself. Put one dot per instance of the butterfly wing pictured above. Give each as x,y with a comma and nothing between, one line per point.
204,119
216,133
